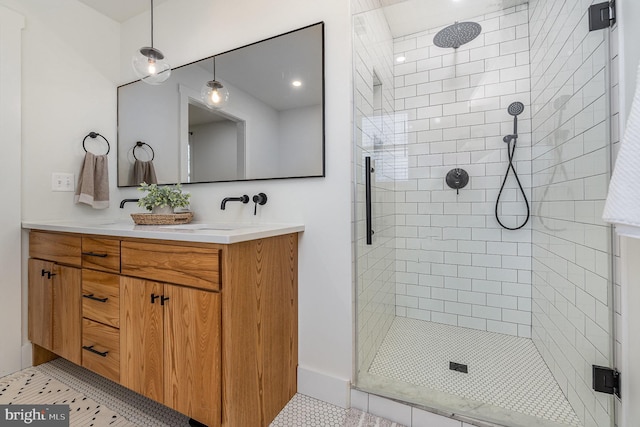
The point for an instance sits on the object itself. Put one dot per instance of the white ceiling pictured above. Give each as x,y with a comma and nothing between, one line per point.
266,69
404,16
121,10
412,16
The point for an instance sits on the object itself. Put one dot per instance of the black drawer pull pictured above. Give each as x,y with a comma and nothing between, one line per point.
90,296
94,254
48,273
92,350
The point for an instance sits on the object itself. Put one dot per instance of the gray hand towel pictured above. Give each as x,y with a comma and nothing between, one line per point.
93,182
143,171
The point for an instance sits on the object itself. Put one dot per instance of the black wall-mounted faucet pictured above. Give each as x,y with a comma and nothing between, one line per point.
125,201
244,199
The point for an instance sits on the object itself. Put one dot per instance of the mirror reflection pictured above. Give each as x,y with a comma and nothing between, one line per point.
271,127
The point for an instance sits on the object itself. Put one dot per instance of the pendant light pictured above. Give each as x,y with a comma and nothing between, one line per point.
213,93
149,63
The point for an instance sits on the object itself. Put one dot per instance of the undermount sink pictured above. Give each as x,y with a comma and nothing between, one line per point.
204,227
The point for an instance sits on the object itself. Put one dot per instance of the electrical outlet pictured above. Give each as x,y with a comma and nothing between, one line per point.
62,181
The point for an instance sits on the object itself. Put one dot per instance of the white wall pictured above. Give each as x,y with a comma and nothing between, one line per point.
77,50
11,25
68,90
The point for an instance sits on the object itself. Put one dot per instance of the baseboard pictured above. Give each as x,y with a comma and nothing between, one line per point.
336,391
27,355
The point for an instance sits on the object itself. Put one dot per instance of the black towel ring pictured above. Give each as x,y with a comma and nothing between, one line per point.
95,135
140,144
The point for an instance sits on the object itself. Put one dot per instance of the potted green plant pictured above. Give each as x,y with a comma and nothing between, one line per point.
163,200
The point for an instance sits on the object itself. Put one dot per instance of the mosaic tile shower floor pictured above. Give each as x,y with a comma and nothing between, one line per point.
503,370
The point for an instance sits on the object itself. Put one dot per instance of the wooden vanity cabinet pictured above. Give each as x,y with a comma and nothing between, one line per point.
54,295
209,330
170,343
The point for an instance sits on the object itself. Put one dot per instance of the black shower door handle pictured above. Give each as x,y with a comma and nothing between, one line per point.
367,191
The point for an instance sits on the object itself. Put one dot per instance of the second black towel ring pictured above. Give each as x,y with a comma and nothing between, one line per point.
94,135
140,144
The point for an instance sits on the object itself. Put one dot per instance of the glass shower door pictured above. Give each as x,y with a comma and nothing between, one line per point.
438,264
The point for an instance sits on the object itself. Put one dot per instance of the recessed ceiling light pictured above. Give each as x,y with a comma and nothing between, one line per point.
400,59
296,83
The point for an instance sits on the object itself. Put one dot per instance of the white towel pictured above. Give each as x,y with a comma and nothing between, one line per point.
93,182
622,207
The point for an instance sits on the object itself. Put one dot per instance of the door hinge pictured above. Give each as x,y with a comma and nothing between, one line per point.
606,380
602,15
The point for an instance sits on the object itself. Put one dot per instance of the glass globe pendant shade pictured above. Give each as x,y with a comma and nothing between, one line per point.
150,66
214,94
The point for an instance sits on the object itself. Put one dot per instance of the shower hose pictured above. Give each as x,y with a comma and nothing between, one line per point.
511,151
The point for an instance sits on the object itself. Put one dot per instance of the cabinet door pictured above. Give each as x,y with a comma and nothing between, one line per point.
141,337
67,313
40,303
192,353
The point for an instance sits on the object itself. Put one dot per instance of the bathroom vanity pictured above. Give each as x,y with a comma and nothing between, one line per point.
200,319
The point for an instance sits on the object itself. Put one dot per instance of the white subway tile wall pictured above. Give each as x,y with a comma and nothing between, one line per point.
451,109
374,134
570,171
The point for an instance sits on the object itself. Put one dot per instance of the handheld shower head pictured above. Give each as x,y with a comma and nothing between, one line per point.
516,108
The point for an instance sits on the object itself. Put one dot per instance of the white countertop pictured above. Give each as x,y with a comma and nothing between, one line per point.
207,232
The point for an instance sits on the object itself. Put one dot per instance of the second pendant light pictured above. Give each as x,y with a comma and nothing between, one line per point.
213,93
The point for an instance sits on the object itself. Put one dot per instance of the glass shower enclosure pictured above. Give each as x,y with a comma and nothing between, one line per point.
481,162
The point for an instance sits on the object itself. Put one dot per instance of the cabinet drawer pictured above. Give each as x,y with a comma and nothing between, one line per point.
101,297
101,349
101,254
184,265
61,248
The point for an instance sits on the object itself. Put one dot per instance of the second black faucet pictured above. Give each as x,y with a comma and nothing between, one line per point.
244,199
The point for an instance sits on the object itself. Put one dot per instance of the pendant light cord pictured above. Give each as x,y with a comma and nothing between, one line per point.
511,151
151,23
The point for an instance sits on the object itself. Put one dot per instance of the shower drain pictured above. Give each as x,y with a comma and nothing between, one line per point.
458,367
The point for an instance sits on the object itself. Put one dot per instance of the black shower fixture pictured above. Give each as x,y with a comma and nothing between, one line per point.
457,34
514,109
457,178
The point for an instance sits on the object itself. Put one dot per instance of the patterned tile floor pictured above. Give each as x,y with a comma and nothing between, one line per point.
504,371
301,411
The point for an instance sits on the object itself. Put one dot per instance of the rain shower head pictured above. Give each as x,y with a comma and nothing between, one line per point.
457,34
516,108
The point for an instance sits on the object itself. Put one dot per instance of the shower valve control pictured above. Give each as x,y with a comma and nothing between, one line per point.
457,178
